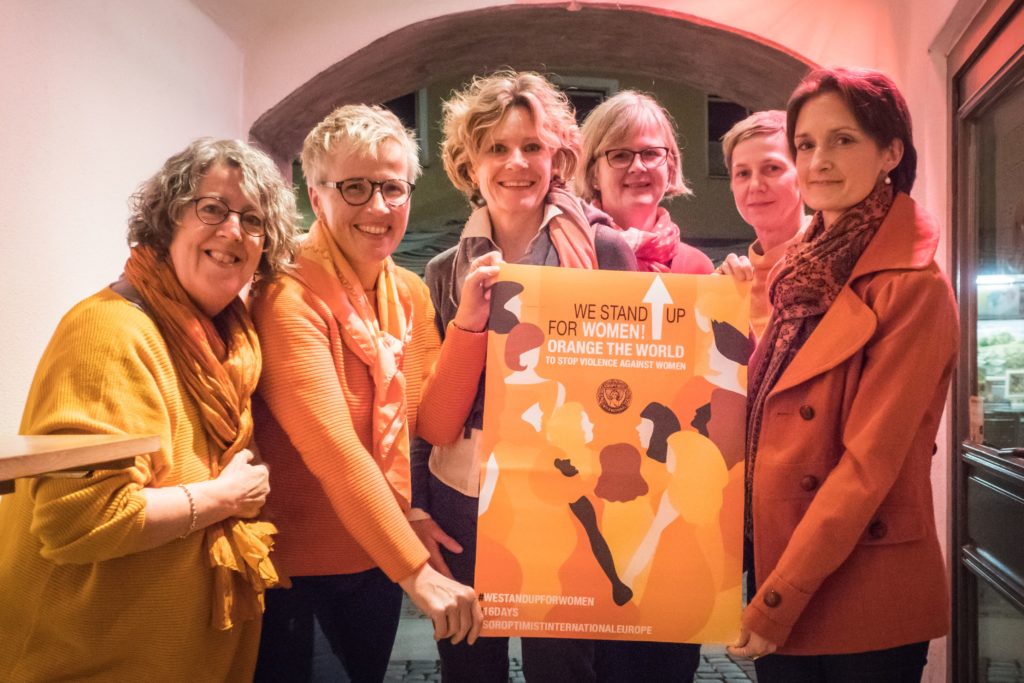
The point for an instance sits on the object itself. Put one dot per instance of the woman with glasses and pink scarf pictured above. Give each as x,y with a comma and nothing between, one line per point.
631,162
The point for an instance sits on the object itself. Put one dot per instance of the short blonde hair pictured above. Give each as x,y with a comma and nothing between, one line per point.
471,113
357,128
157,205
616,120
760,123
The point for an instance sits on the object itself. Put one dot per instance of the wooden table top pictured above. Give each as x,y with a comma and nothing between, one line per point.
29,456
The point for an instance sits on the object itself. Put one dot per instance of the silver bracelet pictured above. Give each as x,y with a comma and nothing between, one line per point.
194,514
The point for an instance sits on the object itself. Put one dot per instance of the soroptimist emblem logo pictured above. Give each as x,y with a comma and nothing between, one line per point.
614,396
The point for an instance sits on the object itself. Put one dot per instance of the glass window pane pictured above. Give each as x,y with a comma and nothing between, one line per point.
1000,279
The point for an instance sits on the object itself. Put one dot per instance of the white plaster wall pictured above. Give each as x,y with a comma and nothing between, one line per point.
96,94
289,43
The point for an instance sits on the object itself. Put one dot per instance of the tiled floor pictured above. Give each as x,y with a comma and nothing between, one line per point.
715,666
414,657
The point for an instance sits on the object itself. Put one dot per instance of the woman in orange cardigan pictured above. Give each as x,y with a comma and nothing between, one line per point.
349,344
847,389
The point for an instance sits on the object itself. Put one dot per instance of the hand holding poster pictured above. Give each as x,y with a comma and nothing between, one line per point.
612,485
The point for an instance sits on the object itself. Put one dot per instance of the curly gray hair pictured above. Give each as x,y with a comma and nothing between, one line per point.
157,205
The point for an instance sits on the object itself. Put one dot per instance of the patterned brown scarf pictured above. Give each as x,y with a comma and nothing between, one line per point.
809,279
220,374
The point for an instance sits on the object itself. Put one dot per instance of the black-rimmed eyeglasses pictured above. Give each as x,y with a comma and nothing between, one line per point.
652,157
357,191
214,211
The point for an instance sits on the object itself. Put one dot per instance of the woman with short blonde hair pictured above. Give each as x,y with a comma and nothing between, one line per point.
762,178
619,118
471,114
349,346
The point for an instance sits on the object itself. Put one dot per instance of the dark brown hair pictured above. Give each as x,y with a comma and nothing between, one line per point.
876,103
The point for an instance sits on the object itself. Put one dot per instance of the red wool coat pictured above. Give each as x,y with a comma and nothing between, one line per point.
845,548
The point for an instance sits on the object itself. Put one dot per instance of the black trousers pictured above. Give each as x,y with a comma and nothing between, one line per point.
486,660
620,660
358,614
902,664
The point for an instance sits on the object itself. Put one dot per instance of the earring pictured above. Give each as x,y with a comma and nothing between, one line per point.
888,180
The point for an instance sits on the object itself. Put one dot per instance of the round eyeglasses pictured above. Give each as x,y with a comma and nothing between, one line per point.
214,211
358,191
652,157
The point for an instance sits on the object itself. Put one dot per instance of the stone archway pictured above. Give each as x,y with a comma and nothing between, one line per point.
549,38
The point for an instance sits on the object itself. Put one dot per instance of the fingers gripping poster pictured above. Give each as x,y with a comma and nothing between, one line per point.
611,501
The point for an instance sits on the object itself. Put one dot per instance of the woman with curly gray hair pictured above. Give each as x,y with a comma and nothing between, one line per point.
157,569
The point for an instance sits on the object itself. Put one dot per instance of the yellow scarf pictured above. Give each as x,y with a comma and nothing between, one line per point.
220,376
378,340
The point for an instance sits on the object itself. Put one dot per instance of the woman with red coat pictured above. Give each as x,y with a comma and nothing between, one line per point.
847,388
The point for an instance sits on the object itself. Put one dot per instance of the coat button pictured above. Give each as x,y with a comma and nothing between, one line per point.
878,530
807,412
809,483
772,599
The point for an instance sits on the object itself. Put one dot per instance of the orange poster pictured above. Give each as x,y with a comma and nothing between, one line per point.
611,501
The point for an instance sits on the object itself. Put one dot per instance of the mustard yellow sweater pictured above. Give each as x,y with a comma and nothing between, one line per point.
764,263
77,599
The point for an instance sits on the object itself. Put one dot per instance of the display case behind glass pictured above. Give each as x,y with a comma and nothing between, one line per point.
988,475
1000,338
1000,270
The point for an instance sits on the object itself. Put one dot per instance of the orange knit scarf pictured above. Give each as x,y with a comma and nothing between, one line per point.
220,374
378,340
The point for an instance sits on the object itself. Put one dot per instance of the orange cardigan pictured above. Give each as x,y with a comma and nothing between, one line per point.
845,547
336,512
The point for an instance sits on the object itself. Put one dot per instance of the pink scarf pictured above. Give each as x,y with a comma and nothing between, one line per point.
654,248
